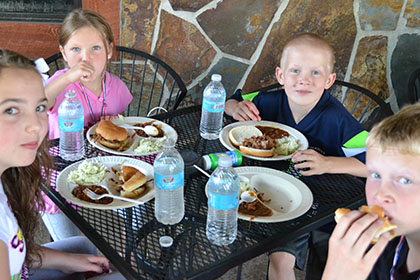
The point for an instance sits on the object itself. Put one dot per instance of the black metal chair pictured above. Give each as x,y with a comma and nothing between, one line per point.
364,105
413,87
154,84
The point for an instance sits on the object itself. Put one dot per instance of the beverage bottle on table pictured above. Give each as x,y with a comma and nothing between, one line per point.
211,161
169,184
223,201
214,98
71,123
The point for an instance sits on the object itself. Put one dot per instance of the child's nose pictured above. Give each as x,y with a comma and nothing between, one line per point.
384,194
33,123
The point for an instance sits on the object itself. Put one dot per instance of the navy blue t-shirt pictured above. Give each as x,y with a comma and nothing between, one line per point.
327,126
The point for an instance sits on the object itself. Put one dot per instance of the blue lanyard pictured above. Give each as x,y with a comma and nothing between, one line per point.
396,257
88,101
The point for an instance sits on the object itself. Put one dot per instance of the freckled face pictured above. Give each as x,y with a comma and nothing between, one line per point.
23,118
393,183
305,74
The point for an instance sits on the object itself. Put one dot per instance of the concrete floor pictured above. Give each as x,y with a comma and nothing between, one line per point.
255,269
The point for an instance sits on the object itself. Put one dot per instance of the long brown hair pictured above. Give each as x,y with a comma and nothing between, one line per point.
22,185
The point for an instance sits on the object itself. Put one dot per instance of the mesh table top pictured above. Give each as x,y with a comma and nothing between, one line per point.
129,237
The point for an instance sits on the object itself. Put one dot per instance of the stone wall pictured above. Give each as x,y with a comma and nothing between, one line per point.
377,43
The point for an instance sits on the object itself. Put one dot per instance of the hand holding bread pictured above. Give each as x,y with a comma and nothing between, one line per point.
348,254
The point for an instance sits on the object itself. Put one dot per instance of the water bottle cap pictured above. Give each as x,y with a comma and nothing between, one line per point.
70,94
216,77
169,142
166,241
225,161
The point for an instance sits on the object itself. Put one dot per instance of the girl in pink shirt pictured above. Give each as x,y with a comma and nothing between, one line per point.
86,43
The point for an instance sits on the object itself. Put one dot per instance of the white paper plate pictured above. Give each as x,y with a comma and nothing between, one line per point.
224,137
167,129
65,188
290,197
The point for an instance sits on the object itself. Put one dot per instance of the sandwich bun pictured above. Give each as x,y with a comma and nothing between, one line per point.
257,152
110,131
387,226
112,136
238,134
133,182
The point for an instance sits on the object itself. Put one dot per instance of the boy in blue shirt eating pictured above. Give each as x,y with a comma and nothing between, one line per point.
393,183
306,72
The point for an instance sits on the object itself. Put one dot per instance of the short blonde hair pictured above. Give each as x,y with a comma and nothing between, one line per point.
400,131
309,39
79,18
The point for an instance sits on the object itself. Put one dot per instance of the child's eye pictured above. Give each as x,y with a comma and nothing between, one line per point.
11,111
375,175
405,181
295,71
41,108
96,48
315,72
75,49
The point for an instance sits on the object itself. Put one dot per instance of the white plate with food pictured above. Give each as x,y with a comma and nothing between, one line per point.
283,194
247,138
120,141
136,182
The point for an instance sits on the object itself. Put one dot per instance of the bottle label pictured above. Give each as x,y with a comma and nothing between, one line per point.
169,182
71,125
234,155
223,202
213,107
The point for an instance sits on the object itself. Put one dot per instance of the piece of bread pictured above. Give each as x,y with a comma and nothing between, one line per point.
110,131
257,152
238,134
132,179
135,193
387,226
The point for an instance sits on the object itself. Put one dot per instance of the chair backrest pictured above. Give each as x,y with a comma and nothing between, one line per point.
413,86
364,105
155,86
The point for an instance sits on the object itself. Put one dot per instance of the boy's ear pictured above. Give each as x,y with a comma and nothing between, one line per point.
330,81
63,53
280,75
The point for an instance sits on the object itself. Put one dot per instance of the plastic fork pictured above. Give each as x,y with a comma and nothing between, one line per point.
96,196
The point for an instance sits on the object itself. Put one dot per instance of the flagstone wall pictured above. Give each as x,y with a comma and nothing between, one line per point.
377,43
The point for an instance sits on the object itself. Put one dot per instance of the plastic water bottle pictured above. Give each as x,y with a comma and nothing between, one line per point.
169,184
71,122
223,201
214,98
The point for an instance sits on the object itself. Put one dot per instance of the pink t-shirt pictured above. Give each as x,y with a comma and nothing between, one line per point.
116,101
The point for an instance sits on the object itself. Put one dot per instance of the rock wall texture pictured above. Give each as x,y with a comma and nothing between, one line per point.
375,42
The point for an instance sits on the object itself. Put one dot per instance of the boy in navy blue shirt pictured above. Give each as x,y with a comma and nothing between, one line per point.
306,71
393,183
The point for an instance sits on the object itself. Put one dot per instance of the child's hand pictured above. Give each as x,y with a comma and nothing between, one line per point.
80,72
310,162
246,111
347,255
85,263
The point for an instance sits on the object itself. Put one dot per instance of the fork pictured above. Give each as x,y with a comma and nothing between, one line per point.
96,196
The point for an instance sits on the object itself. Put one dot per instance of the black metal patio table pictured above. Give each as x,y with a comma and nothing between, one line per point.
129,237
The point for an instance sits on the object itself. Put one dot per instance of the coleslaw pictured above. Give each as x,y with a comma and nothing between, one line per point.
286,146
88,173
147,145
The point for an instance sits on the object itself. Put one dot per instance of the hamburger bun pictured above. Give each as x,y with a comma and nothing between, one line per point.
257,152
112,136
387,226
133,182
238,134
